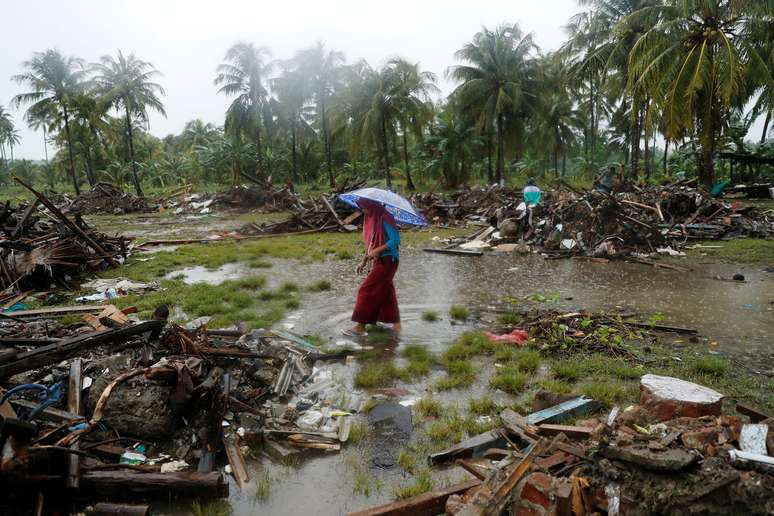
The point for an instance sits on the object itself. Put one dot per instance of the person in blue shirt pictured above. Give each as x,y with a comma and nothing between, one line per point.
531,192
376,297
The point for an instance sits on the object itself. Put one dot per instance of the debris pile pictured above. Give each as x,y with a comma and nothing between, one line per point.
40,245
108,198
635,224
675,452
264,197
116,408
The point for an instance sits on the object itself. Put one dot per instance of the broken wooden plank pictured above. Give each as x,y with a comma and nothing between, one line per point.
471,447
74,405
58,311
432,502
460,252
517,424
569,448
662,327
48,414
237,462
494,494
573,407
479,468
121,509
573,432
755,415
128,482
67,348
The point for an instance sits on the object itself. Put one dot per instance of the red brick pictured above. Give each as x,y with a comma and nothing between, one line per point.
532,494
542,481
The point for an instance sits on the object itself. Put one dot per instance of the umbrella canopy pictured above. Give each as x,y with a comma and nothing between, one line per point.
398,207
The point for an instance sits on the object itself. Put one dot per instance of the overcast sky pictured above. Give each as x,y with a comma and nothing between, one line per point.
186,39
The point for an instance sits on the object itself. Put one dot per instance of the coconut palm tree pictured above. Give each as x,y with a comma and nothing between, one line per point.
196,133
54,80
411,93
495,80
242,76
126,83
451,147
693,63
323,69
292,92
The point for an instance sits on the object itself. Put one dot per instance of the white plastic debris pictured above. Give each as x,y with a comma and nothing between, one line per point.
752,439
310,420
568,243
174,466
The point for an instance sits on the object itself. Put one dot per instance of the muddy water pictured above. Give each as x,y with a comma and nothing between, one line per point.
736,319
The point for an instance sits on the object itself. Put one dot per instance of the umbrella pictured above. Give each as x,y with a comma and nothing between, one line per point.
398,207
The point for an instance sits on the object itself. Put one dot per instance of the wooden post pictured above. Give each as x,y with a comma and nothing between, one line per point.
73,479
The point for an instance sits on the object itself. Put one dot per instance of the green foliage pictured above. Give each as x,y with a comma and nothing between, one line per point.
428,407
423,484
484,406
458,313
510,379
212,508
709,365
377,374
320,286
430,316
358,431
263,483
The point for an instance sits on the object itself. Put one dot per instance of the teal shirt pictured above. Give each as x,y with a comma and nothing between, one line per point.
392,237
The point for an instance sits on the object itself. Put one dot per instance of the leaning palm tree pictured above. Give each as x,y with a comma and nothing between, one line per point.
126,84
243,76
292,93
494,80
411,93
55,79
323,70
693,63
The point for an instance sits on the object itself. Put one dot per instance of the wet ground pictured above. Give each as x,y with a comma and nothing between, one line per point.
735,319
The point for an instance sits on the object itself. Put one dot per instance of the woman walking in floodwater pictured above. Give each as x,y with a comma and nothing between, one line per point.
376,299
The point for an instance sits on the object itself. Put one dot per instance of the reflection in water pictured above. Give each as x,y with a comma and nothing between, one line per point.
736,315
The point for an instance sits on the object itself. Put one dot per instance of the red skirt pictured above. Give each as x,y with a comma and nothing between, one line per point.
376,299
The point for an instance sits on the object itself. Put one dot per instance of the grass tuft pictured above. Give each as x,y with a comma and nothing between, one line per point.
422,485
320,286
428,407
358,431
509,379
458,313
484,406
430,316
709,365
263,483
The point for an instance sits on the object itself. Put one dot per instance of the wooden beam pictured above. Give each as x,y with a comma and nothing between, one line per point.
73,479
573,432
128,483
460,252
428,504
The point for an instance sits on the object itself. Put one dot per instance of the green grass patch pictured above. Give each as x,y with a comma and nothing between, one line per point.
366,484
527,360
430,316
320,286
738,250
607,392
213,508
459,374
407,461
422,484
458,313
555,386
571,370
428,407
263,482
358,431
449,429
468,345
377,374
484,406
509,320
420,360
709,365
509,378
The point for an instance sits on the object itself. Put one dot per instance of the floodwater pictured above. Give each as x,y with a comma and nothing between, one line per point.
733,318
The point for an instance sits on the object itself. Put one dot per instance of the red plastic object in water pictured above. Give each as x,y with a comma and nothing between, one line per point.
515,337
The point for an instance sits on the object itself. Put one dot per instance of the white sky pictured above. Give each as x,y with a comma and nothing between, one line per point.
186,39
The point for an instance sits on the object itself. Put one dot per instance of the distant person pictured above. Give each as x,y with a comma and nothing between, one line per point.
376,298
605,180
531,192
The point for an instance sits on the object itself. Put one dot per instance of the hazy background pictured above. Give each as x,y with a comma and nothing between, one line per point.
186,39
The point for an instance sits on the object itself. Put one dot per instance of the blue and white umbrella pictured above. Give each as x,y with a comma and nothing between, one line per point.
398,207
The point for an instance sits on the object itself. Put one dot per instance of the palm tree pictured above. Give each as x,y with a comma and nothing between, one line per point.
495,80
55,79
196,133
6,128
292,93
693,61
323,69
411,93
452,144
243,75
126,83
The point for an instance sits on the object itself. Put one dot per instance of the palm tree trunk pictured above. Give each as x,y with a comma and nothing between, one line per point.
135,177
293,151
10,146
70,151
500,150
564,163
489,171
593,127
45,147
666,154
647,156
89,166
635,143
766,127
326,141
386,154
409,182
556,159
258,145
